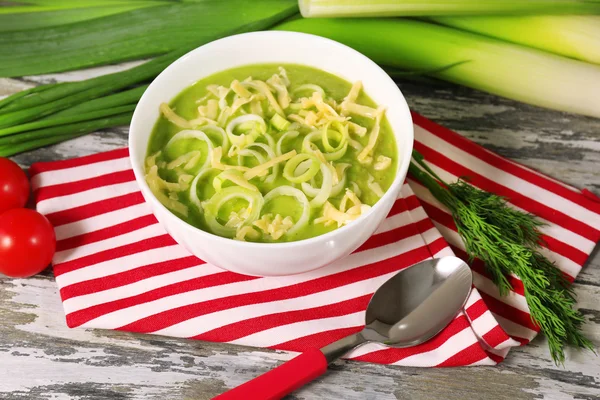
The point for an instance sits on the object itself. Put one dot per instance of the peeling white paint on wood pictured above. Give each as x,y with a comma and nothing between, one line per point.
40,358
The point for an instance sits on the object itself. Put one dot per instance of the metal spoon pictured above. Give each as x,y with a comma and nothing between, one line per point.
408,309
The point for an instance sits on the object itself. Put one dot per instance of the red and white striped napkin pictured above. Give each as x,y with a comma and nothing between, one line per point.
118,269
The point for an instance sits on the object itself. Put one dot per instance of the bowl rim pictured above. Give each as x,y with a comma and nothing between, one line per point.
402,167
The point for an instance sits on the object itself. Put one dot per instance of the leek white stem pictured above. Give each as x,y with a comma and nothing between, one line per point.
574,36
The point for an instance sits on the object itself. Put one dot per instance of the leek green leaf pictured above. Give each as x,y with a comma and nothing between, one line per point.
30,6
129,35
41,19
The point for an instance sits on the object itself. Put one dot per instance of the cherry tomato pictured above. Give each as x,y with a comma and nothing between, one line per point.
27,242
14,186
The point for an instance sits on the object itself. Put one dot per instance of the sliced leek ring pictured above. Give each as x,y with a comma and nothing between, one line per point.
298,195
211,208
341,131
194,187
193,134
311,191
324,192
309,147
234,176
292,173
217,129
307,87
288,134
249,136
270,155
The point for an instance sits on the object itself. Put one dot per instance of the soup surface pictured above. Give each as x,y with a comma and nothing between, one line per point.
271,153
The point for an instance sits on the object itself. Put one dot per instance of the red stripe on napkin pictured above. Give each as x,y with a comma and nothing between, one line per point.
75,214
82,186
125,278
38,168
247,327
106,233
116,267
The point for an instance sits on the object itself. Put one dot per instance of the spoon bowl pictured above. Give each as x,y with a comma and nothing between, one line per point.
417,303
412,306
408,309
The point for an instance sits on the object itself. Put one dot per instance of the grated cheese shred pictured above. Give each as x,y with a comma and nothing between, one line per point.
210,111
374,186
172,117
240,90
246,232
215,161
283,97
332,215
189,159
373,136
237,179
262,169
382,162
237,219
264,89
275,227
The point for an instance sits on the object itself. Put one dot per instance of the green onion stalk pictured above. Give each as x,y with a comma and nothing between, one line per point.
48,136
7,135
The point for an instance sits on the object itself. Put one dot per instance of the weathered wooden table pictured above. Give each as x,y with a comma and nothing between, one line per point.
40,358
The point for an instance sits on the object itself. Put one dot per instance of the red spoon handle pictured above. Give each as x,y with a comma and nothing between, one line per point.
282,380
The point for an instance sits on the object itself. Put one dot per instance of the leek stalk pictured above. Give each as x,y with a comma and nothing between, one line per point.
574,36
35,16
22,7
483,63
130,35
396,8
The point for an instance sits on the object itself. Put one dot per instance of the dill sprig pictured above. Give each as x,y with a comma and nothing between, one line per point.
508,242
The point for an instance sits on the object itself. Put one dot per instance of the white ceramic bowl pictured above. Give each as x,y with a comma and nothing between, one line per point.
269,259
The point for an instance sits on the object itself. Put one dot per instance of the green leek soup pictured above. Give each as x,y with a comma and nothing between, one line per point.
271,153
